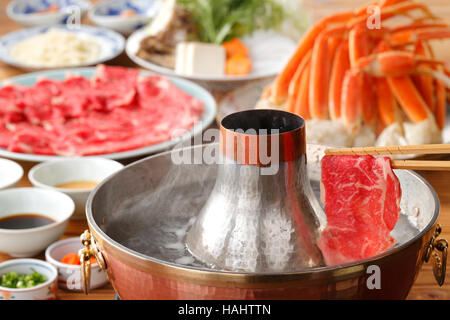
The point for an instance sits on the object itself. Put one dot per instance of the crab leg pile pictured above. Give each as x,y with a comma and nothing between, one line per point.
346,69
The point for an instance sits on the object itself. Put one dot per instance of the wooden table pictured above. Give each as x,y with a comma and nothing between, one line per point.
425,286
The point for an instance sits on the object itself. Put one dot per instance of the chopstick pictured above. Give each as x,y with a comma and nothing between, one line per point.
429,165
417,149
402,164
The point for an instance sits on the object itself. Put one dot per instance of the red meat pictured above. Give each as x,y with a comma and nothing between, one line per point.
73,101
114,87
361,195
11,106
113,112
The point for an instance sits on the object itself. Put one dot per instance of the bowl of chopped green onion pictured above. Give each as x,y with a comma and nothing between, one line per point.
27,279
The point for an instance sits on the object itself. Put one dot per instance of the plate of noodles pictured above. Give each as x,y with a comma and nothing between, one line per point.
60,46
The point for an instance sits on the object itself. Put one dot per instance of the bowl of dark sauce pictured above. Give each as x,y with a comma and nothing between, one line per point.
31,219
24,221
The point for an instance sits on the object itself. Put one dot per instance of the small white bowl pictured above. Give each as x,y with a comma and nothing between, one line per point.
43,291
10,173
24,12
107,14
29,242
51,173
69,276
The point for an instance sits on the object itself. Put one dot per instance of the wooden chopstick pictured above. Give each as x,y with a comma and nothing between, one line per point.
402,164
418,149
426,165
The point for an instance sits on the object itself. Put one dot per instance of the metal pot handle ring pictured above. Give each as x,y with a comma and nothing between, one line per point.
90,249
437,249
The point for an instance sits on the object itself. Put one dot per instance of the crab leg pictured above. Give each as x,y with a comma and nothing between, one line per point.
381,4
397,66
294,86
393,63
302,104
281,85
409,37
441,104
403,7
318,84
409,98
424,82
358,43
387,105
349,18
360,46
388,110
340,65
333,44
418,26
351,100
320,73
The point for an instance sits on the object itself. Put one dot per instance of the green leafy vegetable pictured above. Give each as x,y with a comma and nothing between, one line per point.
16,281
221,20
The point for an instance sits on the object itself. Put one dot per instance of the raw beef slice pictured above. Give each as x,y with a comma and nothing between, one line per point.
361,195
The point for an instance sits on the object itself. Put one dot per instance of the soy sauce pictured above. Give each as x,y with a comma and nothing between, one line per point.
24,221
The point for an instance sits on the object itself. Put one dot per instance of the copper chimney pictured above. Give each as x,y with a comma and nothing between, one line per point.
259,217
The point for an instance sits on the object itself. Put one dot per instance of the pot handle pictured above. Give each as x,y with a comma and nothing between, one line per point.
90,249
437,248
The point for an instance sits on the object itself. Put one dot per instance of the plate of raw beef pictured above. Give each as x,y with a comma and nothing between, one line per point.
112,112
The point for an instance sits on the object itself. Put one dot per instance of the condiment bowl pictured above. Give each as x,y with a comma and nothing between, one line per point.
48,203
10,173
53,173
43,291
26,12
109,14
69,276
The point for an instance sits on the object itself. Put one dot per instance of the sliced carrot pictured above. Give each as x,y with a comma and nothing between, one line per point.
235,47
52,8
71,258
238,65
128,13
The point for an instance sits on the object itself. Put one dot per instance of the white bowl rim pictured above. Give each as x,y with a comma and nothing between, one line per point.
59,264
44,164
47,226
17,166
84,5
29,261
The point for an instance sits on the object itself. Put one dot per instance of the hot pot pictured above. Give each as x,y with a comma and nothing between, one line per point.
140,217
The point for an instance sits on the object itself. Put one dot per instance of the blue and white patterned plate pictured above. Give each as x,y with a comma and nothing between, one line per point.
116,7
27,12
191,88
111,44
108,14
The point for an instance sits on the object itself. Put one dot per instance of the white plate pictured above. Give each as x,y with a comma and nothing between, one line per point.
269,52
111,44
187,86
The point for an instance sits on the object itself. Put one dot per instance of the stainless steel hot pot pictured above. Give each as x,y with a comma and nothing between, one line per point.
140,217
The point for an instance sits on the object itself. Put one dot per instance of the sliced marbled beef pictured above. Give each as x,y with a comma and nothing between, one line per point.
116,111
361,195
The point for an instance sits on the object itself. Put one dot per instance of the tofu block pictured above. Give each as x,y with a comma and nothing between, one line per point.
194,58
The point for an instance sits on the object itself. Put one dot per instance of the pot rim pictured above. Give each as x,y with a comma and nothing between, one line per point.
213,277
